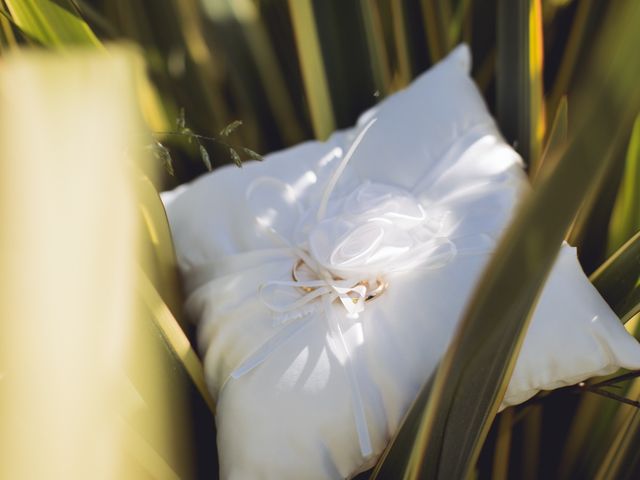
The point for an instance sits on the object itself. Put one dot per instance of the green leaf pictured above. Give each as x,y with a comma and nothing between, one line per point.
520,94
503,446
579,40
312,67
618,278
460,16
447,425
625,220
53,23
557,137
621,459
378,55
437,20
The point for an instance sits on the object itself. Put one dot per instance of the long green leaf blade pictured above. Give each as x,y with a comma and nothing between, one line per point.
557,137
520,94
618,278
312,66
625,220
437,19
53,23
473,375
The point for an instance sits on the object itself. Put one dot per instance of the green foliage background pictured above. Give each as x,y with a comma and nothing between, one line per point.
562,79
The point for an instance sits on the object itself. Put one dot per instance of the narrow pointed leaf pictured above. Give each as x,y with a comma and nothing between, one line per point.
312,66
557,137
503,446
437,19
578,35
622,457
53,23
520,94
378,56
625,220
618,278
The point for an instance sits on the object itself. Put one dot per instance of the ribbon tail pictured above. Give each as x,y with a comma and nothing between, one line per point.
270,346
342,352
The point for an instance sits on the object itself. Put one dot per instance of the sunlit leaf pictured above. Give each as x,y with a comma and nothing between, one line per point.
625,220
557,137
437,20
503,446
54,23
312,67
618,279
520,93
577,41
621,459
378,54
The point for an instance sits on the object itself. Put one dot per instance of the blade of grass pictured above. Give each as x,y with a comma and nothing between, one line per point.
460,17
593,423
617,278
174,336
571,53
207,66
312,65
631,306
473,375
531,442
625,220
557,138
161,249
520,94
400,43
376,43
503,446
597,428
55,23
590,429
621,459
437,18
96,19
269,73
588,231
485,73
7,38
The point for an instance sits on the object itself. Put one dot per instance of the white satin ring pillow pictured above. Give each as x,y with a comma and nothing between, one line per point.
327,287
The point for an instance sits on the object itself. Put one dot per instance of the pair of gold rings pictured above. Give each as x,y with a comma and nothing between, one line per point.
379,289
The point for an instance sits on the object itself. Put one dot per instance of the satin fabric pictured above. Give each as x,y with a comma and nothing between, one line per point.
421,203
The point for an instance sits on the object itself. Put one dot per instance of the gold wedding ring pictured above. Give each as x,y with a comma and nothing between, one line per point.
294,275
379,289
